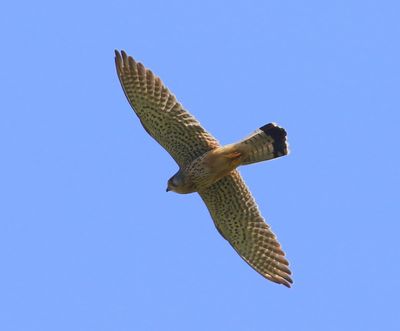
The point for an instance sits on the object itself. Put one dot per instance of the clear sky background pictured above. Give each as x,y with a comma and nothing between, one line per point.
89,240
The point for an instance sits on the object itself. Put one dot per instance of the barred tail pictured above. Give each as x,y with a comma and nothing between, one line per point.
268,142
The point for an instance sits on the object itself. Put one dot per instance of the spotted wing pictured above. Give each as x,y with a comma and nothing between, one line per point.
162,116
237,218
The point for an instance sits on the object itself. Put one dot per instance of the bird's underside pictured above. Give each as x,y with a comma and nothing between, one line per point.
229,201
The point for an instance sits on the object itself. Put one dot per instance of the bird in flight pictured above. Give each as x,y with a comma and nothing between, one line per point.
208,168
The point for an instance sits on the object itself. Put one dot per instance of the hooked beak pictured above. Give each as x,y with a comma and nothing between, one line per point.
167,190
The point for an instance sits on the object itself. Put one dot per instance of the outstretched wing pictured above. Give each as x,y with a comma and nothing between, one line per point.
237,218
162,116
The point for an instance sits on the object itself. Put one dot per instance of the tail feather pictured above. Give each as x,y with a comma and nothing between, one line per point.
266,143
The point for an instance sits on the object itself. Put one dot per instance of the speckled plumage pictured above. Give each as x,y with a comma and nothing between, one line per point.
198,154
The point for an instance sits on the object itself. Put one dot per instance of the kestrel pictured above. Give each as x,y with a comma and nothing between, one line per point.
208,168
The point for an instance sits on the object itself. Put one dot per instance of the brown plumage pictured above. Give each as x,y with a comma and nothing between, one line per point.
210,169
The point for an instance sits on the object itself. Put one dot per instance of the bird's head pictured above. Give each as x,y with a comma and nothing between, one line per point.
178,184
173,184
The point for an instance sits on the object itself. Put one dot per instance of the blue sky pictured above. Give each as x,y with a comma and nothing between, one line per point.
89,240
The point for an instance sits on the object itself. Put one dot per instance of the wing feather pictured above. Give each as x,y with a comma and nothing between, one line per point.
162,116
237,218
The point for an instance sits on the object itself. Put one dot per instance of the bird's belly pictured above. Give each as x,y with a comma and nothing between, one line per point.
209,169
